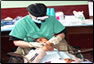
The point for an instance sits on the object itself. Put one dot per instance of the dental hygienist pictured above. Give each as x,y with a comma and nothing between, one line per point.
37,24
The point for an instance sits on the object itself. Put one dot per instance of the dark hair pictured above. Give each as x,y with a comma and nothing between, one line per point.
37,9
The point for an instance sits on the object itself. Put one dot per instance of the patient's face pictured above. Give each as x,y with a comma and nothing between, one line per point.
47,46
42,40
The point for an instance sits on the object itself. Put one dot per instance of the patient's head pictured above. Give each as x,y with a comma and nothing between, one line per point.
48,44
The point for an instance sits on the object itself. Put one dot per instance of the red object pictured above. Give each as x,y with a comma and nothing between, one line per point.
57,18
48,62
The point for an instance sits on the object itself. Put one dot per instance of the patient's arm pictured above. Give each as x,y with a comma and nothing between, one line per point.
35,56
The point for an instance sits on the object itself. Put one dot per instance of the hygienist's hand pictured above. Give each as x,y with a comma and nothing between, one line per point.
47,46
35,44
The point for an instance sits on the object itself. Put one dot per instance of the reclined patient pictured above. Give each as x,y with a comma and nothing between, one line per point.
35,56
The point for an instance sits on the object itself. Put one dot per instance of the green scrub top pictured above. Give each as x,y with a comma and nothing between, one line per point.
27,30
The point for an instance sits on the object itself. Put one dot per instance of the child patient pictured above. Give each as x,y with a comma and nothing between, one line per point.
37,55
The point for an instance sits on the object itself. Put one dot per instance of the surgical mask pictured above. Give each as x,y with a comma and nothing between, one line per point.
37,21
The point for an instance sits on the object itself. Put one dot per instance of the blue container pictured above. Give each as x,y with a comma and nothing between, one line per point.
48,11
52,12
6,22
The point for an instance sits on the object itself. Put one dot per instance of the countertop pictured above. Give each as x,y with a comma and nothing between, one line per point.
66,23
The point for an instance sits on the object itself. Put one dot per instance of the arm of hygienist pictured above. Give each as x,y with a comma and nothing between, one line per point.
58,37
24,44
21,43
62,33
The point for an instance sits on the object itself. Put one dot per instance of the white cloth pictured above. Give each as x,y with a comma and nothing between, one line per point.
35,56
53,57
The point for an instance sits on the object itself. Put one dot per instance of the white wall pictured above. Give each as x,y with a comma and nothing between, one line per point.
90,8
14,4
